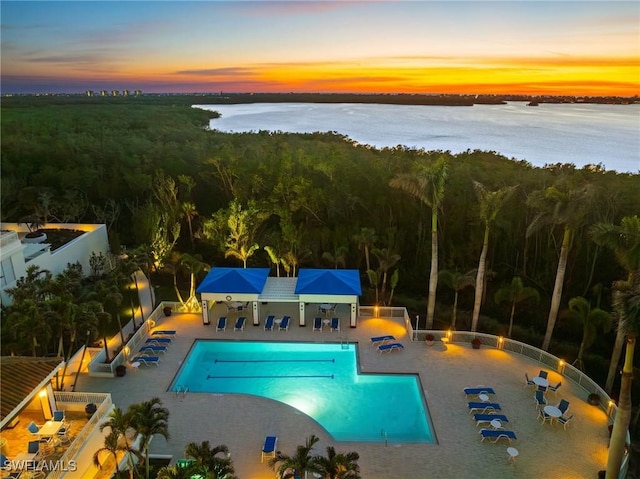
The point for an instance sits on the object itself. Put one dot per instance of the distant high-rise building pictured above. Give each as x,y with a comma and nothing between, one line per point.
138,92
125,92
89,93
103,92
115,92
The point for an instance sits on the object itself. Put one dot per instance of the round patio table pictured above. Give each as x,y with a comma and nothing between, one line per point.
541,381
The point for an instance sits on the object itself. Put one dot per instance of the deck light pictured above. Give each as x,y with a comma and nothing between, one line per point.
500,342
561,364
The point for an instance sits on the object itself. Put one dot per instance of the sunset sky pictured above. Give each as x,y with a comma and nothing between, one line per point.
530,47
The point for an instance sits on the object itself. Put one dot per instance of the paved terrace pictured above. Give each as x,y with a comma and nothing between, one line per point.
241,422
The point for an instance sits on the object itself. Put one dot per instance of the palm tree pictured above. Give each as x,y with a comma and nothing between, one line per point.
626,305
112,446
386,260
193,266
565,208
301,463
275,258
148,419
207,463
592,320
514,293
242,225
624,241
119,424
366,239
426,184
339,465
456,281
176,472
336,258
491,202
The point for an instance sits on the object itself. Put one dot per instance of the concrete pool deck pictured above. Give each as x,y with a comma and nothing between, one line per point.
241,422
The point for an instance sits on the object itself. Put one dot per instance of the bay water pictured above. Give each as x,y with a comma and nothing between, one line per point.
577,133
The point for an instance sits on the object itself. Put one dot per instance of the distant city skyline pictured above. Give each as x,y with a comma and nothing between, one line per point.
587,48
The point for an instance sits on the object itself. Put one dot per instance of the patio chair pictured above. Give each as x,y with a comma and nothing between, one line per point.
222,323
528,382
564,420
555,388
539,399
239,326
58,416
33,429
542,374
269,447
543,416
63,434
317,324
268,324
563,405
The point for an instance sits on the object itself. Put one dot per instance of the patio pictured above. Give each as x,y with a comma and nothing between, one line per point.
241,422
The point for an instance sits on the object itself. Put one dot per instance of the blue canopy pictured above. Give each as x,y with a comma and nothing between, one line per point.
234,280
329,282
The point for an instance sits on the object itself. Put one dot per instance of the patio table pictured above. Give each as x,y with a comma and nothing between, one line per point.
541,381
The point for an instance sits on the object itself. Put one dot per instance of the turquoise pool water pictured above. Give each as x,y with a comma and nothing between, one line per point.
320,380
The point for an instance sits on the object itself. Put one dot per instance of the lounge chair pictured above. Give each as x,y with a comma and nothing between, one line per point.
528,382
269,447
239,326
563,405
387,348
317,324
222,323
477,390
555,388
335,324
152,350
268,324
146,360
542,374
496,435
539,398
474,406
378,340
165,332
158,341
487,418
284,324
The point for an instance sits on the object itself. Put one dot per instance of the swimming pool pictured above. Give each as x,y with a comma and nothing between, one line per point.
321,380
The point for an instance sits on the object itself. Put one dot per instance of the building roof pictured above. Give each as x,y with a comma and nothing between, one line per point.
21,377
329,282
234,280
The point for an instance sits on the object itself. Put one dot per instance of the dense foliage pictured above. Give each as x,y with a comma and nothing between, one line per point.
155,174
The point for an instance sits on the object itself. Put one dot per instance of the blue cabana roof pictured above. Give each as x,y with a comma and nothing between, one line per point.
329,281
234,280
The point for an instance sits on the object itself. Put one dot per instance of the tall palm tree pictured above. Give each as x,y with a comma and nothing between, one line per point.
120,426
565,208
426,184
176,472
339,465
366,240
592,320
148,419
624,241
456,281
193,266
626,305
274,256
386,260
514,293
302,462
338,257
491,202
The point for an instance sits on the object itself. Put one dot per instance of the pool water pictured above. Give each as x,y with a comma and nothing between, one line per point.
320,380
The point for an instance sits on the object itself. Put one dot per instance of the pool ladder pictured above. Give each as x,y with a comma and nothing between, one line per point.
344,342
182,390
383,433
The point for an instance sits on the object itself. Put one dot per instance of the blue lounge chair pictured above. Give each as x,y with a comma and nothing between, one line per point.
146,360
483,406
269,447
152,350
378,340
284,324
477,390
317,324
387,348
222,323
487,418
268,324
496,435
158,341
165,332
239,326
539,398
335,324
